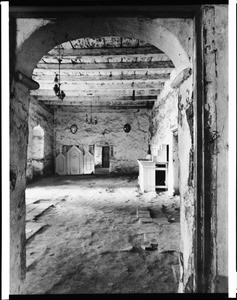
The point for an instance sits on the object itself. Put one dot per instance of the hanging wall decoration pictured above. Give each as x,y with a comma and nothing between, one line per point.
127,128
73,128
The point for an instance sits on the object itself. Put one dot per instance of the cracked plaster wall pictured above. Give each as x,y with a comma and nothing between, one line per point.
127,147
186,184
221,25
163,120
215,44
215,49
174,109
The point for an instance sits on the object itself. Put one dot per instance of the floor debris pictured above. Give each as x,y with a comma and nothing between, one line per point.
96,243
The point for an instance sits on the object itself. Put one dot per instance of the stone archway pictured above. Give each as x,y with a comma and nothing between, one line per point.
46,37
30,51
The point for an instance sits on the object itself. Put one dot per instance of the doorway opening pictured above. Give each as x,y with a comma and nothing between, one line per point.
35,153
114,200
102,151
102,158
176,167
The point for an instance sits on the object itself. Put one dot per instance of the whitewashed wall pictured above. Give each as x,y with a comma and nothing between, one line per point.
127,147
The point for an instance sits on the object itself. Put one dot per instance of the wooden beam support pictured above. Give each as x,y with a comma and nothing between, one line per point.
103,85
108,51
96,99
112,66
104,72
97,103
68,59
150,10
100,107
96,93
147,75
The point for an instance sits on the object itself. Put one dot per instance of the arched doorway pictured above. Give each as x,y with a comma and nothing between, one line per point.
45,38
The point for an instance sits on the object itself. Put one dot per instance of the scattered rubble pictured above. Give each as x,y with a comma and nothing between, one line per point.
101,244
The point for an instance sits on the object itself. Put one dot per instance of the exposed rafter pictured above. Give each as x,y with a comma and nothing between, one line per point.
112,66
104,85
105,71
88,99
96,93
102,106
107,51
99,103
147,75
68,59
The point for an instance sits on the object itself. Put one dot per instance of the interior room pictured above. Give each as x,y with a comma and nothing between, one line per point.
108,180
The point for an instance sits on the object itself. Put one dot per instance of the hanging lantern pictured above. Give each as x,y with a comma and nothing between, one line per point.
91,119
57,89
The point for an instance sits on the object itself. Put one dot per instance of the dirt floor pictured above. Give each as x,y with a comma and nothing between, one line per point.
88,234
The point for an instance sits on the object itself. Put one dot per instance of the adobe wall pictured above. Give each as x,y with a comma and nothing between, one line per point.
174,109
127,147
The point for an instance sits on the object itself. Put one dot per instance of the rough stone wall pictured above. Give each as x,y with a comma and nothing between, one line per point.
19,105
37,166
127,147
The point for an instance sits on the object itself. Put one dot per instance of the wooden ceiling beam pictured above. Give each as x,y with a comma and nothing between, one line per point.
96,93
103,85
111,66
102,109
105,78
104,72
96,103
97,108
68,59
107,51
89,99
